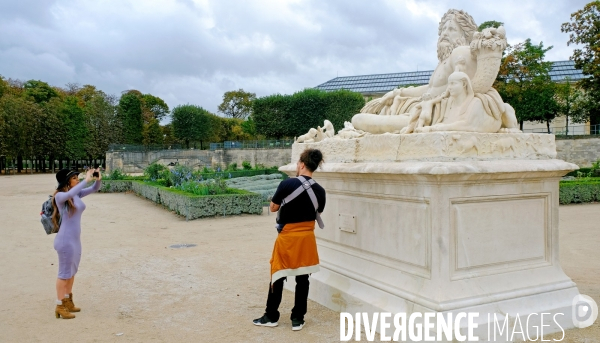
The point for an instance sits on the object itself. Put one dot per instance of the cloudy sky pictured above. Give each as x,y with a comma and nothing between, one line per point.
192,51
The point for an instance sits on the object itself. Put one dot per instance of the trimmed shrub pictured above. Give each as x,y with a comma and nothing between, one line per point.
293,115
189,205
579,191
115,186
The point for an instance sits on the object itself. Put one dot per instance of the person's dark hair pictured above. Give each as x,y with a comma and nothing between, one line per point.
311,158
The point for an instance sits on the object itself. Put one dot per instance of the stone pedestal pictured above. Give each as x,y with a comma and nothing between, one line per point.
442,236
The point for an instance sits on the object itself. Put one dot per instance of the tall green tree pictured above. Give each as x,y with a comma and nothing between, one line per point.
101,121
76,129
237,104
18,114
193,123
584,30
40,91
130,112
50,132
572,103
524,82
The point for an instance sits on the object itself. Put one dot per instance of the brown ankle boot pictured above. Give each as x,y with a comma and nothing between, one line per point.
62,311
70,305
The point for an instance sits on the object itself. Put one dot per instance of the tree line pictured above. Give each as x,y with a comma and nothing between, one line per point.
524,78
44,127
75,124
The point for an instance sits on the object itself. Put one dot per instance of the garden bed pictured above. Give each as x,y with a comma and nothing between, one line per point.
190,206
579,191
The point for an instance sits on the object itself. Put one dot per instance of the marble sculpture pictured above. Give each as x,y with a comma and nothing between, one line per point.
459,96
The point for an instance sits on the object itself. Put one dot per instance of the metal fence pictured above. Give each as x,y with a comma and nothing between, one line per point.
571,130
131,147
266,144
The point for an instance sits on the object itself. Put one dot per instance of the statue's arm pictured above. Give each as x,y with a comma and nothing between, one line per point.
413,92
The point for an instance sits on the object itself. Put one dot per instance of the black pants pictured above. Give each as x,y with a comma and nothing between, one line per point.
300,301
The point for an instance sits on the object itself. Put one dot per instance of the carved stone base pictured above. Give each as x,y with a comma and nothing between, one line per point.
434,146
470,236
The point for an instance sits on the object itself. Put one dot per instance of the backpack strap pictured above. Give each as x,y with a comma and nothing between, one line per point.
305,186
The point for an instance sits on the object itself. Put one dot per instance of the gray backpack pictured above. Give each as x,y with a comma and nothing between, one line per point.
47,211
306,186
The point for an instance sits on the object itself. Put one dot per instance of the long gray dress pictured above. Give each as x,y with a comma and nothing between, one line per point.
67,242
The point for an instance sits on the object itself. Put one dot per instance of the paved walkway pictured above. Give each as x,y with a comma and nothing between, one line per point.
131,282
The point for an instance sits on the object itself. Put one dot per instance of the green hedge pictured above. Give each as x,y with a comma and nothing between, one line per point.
579,191
240,173
293,115
115,186
188,205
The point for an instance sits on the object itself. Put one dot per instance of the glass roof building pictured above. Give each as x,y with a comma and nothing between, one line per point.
378,84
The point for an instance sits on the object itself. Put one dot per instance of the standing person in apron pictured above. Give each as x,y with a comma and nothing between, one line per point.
299,202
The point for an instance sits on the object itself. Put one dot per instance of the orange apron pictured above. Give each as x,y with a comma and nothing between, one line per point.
295,251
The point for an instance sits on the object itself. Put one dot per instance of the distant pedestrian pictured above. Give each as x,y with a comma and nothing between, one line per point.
68,208
299,201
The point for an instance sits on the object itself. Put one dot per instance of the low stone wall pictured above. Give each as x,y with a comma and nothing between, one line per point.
581,151
136,161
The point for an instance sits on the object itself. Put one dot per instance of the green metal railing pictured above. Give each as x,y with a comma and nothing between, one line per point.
264,144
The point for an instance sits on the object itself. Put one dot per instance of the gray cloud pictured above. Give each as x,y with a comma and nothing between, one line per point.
192,51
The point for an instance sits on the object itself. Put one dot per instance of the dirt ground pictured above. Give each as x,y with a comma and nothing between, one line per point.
132,287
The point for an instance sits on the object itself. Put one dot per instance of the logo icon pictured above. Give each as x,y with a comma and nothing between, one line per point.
584,311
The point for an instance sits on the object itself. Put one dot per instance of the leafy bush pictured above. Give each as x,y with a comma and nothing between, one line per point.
232,167
115,174
180,174
210,187
155,171
246,165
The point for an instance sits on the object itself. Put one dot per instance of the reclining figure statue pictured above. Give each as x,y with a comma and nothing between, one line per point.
473,59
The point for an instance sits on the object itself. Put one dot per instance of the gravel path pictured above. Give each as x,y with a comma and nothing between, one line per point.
132,284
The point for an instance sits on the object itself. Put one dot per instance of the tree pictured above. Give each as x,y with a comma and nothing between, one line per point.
168,135
101,121
237,104
76,130
130,112
249,127
584,30
491,23
39,91
193,123
523,82
153,107
571,103
18,114
50,132
152,133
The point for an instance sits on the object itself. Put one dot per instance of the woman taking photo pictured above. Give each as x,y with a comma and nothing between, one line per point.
68,208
